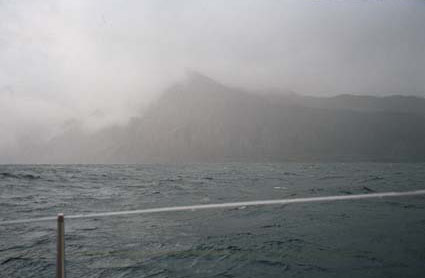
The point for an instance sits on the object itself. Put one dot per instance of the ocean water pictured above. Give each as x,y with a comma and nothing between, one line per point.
361,238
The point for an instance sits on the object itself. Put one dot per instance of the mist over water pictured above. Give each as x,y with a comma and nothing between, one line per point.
115,106
94,64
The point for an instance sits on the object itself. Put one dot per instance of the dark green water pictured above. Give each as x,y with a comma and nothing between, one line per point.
362,238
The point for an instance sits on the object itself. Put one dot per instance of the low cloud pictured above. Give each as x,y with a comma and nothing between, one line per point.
100,62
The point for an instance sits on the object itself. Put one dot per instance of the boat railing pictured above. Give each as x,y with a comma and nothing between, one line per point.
60,218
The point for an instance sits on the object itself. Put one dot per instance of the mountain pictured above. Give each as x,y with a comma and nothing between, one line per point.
201,120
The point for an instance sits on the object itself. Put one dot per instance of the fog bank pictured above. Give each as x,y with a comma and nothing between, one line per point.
98,63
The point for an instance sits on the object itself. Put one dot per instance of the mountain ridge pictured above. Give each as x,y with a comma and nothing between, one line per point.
201,120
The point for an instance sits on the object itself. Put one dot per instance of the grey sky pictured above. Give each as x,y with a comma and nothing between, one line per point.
99,61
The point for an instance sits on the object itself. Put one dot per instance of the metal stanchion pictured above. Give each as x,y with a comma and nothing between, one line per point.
60,255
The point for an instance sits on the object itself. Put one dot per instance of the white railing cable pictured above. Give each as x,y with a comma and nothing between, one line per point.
224,205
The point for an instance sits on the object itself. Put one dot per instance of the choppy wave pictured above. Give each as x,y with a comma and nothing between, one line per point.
19,176
374,238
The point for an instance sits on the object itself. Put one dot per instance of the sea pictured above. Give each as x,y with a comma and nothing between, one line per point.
382,237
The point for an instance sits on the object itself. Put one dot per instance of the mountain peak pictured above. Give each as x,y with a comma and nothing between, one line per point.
197,78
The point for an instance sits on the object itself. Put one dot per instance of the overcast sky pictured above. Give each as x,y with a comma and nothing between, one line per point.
99,61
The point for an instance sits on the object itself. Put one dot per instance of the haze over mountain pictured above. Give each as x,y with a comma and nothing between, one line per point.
94,64
201,120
